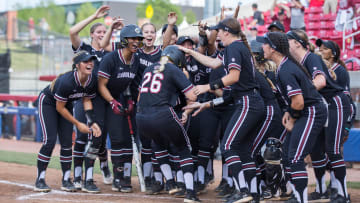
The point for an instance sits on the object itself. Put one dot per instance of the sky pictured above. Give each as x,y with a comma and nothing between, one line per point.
10,4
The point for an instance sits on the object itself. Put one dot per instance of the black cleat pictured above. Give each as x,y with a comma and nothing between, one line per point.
78,183
292,199
317,197
40,186
191,197
221,185
125,185
242,196
266,194
107,177
156,188
181,193
90,187
148,183
116,185
172,188
68,186
200,188
340,199
226,191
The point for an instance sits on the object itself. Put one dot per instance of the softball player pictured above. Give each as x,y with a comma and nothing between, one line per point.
117,70
97,32
240,131
338,112
156,119
306,114
55,107
148,55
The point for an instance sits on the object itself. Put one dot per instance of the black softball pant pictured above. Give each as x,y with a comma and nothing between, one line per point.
329,142
299,143
81,139
239,135
162,125
54,126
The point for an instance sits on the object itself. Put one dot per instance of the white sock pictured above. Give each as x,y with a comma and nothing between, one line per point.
166,170
78,171
147,169
201,174
158,177
189,181
180,176
89,173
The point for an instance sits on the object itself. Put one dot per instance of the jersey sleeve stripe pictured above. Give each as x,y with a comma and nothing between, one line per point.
187,88
317,72
294,92
103,74
234,65
59,98
91,96
79,48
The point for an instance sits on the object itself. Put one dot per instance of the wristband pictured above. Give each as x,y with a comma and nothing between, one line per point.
218,101
217,84
90,117
295,113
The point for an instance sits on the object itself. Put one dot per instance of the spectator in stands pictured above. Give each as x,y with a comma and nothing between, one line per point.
345,13
316,3
297,15
330,6
283,15
258,18
276,26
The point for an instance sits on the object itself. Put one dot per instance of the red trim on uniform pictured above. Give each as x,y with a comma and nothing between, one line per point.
283,135
66,158
43,157
335,66
305,134
339,126
338,163
187,88
161,154
232,160
294,92
59,98
299,175
122,151
260,136
234,65
103,74
186,162
238,123
41,116
305,57
76,77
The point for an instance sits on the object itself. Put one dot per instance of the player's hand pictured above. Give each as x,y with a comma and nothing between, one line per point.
83,128
102,11
200,89
172,18
197,105
285,118
202,27
96,130
288,121
117,23
130,107
222,15
117,107
184,117
236,13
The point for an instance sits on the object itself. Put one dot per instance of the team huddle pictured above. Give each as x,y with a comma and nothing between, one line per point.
266,104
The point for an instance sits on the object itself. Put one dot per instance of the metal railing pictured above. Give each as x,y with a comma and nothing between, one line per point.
345,36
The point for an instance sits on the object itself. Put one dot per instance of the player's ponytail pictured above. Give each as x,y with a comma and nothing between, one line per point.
163,61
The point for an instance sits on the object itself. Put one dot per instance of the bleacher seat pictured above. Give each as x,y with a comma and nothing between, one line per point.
312,33
313,26
315,10
313,17
323,35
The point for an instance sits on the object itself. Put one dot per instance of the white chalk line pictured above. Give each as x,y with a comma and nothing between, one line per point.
38,195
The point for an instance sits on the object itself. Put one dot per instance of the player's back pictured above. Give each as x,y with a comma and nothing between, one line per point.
160,88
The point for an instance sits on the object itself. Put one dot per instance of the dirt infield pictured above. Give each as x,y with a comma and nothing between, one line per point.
16,183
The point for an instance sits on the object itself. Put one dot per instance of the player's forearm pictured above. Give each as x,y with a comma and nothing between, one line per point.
167,35
105,41
206,60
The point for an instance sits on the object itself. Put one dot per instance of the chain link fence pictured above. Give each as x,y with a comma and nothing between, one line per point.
34,52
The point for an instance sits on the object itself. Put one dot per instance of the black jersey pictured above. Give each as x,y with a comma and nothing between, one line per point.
163,89
342,77
291,81
238,56
145,60
99,54
315,65
266,92
120,74
272,77
68,88
198,73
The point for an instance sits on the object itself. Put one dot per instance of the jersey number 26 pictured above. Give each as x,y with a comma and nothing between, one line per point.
155,82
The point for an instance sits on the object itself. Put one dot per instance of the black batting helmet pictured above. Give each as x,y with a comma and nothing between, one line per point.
175,55
256,48
130,31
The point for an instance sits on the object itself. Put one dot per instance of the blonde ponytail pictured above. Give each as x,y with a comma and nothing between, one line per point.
163,61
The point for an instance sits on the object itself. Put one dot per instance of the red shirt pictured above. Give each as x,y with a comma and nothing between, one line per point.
286,22
346,4
316,3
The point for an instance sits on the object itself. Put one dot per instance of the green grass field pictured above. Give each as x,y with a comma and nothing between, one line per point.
31,159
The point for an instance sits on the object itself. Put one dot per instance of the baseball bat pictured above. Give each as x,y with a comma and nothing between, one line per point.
136,157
